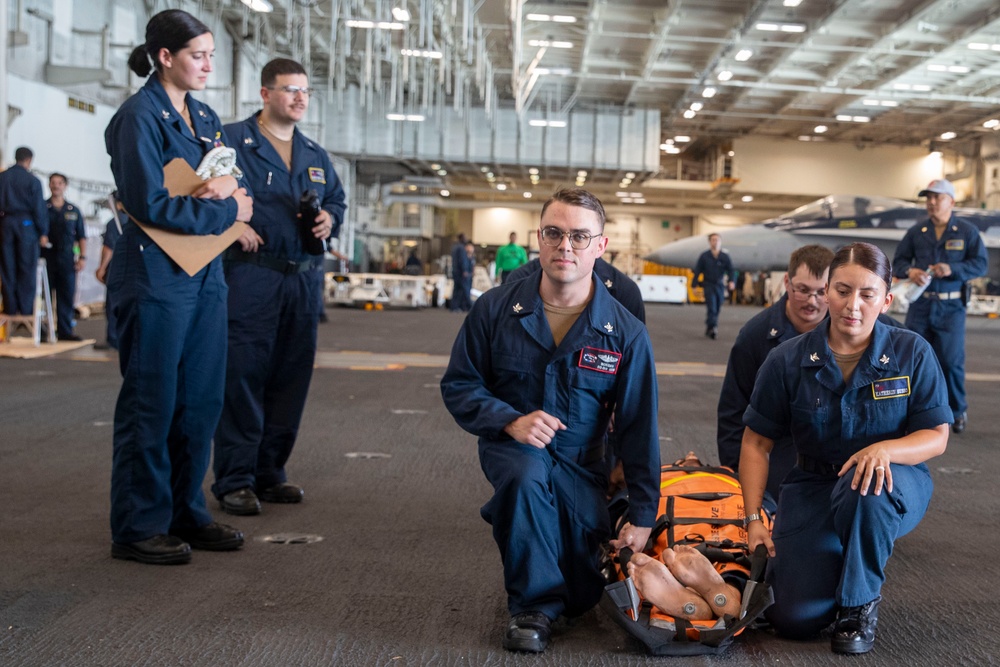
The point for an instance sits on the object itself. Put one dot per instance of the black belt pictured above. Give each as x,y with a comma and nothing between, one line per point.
817,466
942,296
285,266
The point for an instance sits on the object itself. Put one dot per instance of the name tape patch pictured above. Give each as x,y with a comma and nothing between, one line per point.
602,361
891,388
954,244
317,175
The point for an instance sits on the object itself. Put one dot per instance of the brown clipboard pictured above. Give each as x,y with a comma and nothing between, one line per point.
191,252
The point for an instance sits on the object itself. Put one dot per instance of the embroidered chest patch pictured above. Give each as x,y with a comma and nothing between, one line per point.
954,244
317,175
891,388
602,361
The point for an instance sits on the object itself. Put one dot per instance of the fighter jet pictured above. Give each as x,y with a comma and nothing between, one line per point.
832,221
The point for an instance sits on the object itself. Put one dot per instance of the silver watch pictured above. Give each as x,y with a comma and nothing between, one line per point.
751,517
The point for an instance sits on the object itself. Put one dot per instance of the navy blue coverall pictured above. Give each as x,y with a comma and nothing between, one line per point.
761,334
939,314
620,286
25,220
549,509
715,272
112,232
171,326
275,299
66,229
832,543
461,276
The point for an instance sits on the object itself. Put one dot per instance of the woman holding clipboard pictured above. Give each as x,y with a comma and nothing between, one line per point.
171,325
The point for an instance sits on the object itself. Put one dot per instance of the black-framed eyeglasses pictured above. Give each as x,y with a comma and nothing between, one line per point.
292,90
553,236
804,293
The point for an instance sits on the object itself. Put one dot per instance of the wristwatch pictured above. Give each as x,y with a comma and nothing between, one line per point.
751,517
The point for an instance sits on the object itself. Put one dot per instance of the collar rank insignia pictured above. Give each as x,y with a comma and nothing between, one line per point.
813,357
884,359
773,332
518,307
166,114
248,140
201,112
609,327
608,283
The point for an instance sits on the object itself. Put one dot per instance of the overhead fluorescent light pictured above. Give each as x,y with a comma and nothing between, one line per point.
792,3
527,195
682,138
954,69
724,75
533,171
557,18
746,199
417,118
259,5
400,14
744,55
697,106
537,122
690,113
547,43
421,54
557,71
369,25
445,193
501,186
708,92
781,27
991,123
947,136
820,129
727,206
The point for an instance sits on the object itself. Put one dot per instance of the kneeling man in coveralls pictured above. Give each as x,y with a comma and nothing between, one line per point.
537,371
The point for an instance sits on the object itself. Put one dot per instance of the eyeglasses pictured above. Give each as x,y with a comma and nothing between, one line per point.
292,90
803,293
553,236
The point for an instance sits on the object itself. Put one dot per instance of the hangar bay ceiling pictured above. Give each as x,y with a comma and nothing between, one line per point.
868,72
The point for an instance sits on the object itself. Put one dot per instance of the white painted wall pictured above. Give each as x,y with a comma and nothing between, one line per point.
63,139
819,168
494,225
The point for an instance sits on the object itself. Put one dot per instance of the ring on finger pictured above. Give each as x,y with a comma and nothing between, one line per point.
880,468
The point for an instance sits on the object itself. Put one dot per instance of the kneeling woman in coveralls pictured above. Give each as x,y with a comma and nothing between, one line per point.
866,405
171,326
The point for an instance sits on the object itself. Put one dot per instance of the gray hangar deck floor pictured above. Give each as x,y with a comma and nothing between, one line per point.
406,572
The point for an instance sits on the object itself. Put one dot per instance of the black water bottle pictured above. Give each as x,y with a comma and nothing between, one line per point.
309,209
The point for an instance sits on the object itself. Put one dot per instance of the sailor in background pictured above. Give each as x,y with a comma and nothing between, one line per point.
944,255
66,255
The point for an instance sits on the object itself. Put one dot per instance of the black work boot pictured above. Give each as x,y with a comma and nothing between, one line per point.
854,630
528,631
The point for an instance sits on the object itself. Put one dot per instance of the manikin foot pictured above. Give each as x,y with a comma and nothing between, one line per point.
695,571
654,581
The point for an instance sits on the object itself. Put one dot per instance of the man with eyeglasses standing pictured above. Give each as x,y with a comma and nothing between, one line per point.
716,272
943,254
536,372
275,276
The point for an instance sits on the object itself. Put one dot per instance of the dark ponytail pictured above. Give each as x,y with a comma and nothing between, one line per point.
172,30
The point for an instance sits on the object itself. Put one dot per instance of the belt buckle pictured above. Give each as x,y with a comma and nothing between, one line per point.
291,268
